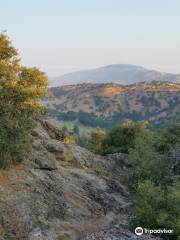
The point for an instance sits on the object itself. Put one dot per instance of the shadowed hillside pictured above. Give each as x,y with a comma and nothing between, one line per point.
107,104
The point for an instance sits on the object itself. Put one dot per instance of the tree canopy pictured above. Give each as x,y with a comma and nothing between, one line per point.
20,91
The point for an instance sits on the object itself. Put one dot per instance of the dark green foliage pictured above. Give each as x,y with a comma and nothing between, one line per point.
157,208
92,120
122,137
14,142
152,173
168,138
76,129
20,91
154,182
96,141
87,119
147,163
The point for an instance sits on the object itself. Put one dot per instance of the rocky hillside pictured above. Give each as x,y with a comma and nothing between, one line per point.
63,192
116,73
107,104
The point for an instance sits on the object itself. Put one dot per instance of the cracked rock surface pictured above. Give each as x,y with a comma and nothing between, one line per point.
63,192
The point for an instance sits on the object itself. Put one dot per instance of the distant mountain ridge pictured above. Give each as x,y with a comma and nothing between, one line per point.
124,74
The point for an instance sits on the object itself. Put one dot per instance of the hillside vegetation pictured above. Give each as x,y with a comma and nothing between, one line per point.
152,172
104,105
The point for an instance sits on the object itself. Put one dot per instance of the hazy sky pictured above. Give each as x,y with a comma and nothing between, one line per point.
66,35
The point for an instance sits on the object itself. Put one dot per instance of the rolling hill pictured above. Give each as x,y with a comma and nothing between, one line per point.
117,73
107,104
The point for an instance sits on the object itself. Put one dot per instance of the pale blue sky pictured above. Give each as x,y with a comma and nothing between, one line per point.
66,35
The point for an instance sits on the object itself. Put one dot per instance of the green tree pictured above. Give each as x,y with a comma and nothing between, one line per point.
157,208
20,91
146,163
153,180
65,130
168,138
122,136
96,141
76,129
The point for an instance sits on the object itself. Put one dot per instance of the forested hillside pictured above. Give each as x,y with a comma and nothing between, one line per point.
107,104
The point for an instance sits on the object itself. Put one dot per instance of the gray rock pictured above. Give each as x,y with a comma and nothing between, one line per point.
81,199
55,146
44,159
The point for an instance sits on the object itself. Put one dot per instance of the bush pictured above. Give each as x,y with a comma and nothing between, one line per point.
157,208
14,142
153,180
122,136
69,139
96,141
147,163
168,138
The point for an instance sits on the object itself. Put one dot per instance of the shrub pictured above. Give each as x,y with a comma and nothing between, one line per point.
96,141
168,138
14,142
147,163
157,208
69,139
122,136
153,180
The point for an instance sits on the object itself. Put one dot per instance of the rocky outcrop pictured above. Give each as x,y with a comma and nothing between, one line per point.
64,192
45,129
